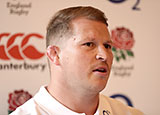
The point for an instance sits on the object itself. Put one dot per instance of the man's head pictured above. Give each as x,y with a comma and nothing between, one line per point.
60,26
79,49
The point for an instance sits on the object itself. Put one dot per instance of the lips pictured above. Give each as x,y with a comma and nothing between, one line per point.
103,70
100,70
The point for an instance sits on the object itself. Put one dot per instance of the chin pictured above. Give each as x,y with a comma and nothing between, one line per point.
100,86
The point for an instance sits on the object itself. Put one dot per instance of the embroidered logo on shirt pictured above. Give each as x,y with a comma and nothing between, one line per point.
106,112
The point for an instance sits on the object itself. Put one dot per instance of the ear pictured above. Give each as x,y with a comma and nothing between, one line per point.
52,54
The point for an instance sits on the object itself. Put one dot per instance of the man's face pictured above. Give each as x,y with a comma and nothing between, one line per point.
86,58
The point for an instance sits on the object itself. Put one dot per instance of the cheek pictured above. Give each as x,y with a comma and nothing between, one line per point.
66,60
110,59
84,60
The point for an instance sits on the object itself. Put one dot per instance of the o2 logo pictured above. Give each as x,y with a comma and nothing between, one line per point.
125,98
117,1
135,6
19,51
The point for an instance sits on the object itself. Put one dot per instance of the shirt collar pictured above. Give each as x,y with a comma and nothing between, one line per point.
51,105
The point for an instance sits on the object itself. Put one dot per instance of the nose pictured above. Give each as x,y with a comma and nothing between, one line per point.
101,54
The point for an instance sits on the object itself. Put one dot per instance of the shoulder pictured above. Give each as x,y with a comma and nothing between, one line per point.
118,106
31,107
28,108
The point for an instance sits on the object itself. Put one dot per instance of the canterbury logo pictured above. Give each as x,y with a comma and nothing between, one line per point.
20,51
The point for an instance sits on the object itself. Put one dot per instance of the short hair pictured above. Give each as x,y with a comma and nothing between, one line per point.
60,27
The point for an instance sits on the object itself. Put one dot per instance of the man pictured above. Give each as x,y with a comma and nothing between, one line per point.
80,59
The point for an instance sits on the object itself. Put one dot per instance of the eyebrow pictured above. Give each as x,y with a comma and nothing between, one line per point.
93,39
109,41
88,38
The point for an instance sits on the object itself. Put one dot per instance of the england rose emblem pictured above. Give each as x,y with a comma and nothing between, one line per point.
123,41
17,98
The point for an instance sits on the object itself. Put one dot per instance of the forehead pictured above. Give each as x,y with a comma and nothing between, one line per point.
85,28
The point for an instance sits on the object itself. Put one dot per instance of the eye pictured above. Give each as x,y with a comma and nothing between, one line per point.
89,44
107,46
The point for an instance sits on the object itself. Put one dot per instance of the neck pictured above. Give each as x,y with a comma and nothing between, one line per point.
77,101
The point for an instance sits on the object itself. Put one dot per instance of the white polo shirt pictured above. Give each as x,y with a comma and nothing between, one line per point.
44,104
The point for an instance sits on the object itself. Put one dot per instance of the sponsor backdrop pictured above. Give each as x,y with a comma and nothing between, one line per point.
133,24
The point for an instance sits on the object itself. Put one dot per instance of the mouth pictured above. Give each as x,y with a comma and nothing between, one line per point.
101,71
